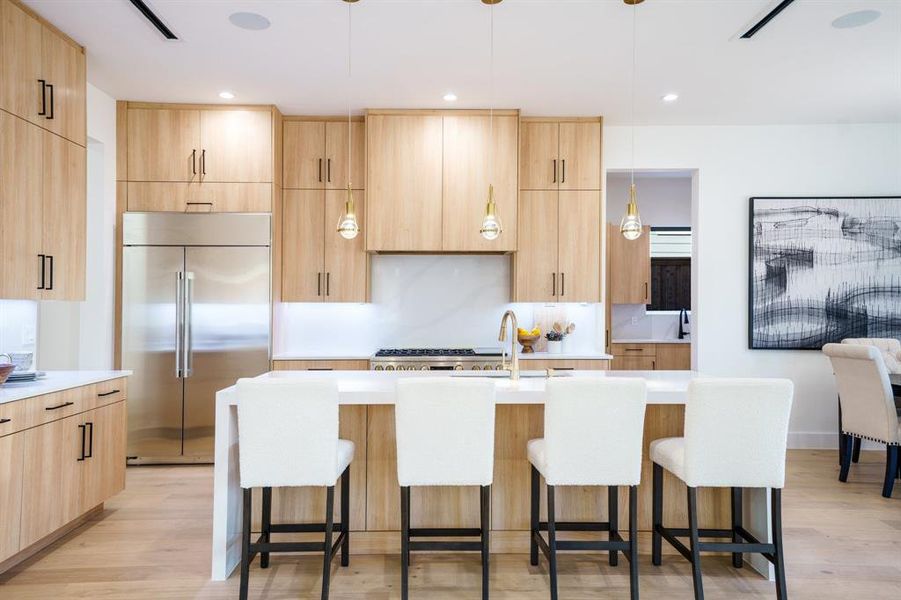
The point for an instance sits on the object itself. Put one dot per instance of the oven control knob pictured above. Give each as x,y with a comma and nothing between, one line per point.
476,368
389,368
499,368
379,367
458,367
424,368
411,367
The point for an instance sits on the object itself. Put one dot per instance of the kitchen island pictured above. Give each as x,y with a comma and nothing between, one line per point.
367,419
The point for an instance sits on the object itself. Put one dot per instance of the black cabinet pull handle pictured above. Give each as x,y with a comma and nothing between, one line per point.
320,369
634,350
318,284
203,162
83,431
562,284
90,453
555,171
59,406
199,203
43,259
110,393
194,161
563,168
43,83
563,368
50,260
553,284
328,284
50,87
328,170
320,170
2,421
646,290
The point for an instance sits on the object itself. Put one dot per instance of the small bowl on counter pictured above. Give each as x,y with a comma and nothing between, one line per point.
527,341
5,370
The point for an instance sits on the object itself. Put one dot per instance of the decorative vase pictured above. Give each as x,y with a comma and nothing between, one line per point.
554,347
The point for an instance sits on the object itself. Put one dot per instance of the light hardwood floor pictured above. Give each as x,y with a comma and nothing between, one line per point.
153,542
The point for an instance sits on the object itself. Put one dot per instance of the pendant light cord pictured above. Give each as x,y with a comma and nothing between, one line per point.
347,95
491,96
634,44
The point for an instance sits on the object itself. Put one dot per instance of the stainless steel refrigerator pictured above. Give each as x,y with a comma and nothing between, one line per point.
195,318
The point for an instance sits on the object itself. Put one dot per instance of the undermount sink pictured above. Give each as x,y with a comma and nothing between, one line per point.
506,374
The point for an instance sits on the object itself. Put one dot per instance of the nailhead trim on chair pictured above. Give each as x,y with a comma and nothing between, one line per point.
872,439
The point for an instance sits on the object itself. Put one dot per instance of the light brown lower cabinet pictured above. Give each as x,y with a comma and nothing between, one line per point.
563,364
651,357
52,473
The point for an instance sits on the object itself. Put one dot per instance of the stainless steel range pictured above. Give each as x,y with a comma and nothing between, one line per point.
437,359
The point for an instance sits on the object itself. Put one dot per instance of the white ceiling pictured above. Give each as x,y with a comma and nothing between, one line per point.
560,57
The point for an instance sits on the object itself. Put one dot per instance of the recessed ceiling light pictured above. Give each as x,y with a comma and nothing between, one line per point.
450,97
670,97
249,20
226,95
856,19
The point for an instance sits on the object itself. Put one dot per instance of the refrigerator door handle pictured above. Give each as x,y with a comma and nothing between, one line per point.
187,311
179,320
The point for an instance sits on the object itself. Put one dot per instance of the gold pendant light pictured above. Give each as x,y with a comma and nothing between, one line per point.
491,225
348,228
630,226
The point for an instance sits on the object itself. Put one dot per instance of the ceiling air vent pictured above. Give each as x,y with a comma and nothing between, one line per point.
153,19
766,19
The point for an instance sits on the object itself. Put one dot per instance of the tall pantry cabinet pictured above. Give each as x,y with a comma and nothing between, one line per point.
43,185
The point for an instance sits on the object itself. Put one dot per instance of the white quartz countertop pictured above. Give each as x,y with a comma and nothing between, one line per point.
378,387
323,357
55,381
565,356
651,341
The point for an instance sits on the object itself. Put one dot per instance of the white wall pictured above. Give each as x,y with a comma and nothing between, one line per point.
663,201
427,302
79,335
735,163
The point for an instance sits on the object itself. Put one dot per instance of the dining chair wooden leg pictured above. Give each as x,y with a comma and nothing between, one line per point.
778,555
266,525
535,506
485,524
613,514
245,546
552,541
855,458
891,469
657,517
327,547
633,542
847,450
695,543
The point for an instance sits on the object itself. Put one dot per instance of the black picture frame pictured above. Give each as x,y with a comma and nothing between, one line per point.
752,304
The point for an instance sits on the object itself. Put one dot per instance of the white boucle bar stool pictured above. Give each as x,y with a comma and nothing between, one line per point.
288,437
736,432
593,430
445,436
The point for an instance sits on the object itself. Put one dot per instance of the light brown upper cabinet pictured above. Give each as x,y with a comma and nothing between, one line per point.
630,267
318,265
428,176
560,154
476,154
43,199
199,144
315,154
404,182
559,253
42,73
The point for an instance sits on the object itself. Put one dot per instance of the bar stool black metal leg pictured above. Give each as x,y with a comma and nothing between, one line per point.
891,469
245,546
695,542
737,558
345,517
779,562
855,457
329,525
848,449
613,514
404,541
536,502
485,524
841,436
633,541
657,516
552,541
266,525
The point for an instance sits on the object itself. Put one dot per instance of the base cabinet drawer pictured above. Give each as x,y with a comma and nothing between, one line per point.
634,363
564,365
320,365
11,471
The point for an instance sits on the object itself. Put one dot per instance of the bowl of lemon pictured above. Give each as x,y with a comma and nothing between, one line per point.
527,339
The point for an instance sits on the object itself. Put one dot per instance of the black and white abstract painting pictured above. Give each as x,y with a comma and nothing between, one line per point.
824,269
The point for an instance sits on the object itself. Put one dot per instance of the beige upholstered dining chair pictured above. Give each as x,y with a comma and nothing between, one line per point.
889,347
867,405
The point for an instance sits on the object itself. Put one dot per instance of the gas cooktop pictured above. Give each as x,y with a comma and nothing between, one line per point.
439,352
436,359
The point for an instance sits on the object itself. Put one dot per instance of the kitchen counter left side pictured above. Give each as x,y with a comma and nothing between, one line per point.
62,455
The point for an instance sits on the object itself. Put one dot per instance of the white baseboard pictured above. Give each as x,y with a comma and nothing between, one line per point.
810,440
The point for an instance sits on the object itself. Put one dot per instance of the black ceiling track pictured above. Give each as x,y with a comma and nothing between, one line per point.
769,17
154,20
